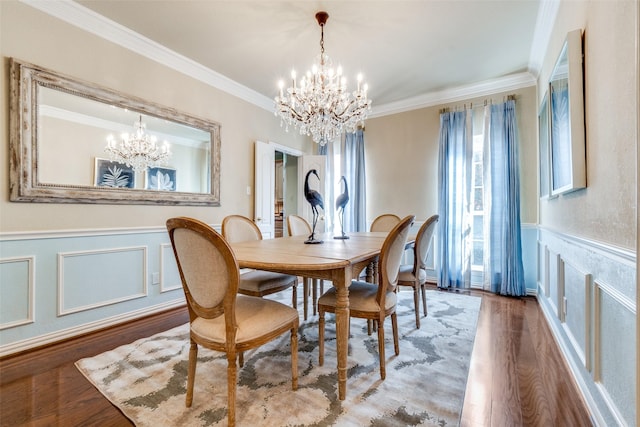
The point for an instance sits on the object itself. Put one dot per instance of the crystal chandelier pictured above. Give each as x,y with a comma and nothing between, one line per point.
320,105
138,150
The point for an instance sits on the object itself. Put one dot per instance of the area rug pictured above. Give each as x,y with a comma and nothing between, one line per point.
424,385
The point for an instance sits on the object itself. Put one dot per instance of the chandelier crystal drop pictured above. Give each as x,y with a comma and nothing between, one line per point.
139,150
320,105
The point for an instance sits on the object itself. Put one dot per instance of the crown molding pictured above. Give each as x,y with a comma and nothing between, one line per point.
75,14
545,21
461,93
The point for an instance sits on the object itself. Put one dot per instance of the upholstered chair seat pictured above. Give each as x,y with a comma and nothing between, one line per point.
259,282
362,297
406,274
256,317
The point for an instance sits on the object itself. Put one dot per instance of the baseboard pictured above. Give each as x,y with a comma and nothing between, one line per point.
61,335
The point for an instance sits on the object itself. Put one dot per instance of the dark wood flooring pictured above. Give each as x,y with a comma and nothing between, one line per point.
517,376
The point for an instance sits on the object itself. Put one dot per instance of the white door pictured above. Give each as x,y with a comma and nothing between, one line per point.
319,163
265,170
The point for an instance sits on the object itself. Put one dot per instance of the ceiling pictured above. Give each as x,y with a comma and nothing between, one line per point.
406,50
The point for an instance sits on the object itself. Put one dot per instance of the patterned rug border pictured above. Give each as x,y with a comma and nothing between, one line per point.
146,379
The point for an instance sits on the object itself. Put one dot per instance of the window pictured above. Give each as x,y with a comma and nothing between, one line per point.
477,202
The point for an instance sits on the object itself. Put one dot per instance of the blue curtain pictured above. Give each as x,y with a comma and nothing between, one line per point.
355,218
454,191
503,269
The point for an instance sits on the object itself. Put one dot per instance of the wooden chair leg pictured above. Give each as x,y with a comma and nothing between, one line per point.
305,297
375,271
369,273
321,338
294,296
424,298
416,303
294,358
315,295
383,370
369,326
241,359
191,373
394,327
232,373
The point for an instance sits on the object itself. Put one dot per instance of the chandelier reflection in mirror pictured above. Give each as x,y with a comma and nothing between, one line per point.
138,150
320,105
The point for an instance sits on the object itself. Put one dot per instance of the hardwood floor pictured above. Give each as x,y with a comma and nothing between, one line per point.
517,376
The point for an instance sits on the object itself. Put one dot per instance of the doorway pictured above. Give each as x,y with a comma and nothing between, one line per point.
278,191
286,190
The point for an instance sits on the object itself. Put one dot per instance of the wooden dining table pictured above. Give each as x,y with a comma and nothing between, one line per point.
336,260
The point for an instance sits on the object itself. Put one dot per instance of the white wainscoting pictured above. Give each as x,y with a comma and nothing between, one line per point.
587,291
59,284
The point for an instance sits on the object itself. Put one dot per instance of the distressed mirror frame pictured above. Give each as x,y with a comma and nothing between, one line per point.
566,118
25,185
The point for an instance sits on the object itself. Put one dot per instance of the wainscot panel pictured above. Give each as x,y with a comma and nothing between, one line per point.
169,275
16,287
96,278
591,310
615,350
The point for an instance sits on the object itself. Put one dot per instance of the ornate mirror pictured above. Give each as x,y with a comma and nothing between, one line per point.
60,131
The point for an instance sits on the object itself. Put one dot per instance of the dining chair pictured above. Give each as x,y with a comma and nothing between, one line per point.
219,318
384,222
415,275
370,301
298,226
257,283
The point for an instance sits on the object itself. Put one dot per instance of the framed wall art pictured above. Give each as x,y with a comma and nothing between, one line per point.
112,174
161,179
566,118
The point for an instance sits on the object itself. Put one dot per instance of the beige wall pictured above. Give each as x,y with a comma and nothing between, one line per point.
401,148
402,158
35,37
606,210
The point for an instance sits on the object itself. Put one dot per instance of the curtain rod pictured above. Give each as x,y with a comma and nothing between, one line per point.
511,97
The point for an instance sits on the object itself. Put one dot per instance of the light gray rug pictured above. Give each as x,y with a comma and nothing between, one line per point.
425,384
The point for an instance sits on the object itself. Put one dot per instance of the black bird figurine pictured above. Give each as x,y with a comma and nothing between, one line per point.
315,199
341,202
